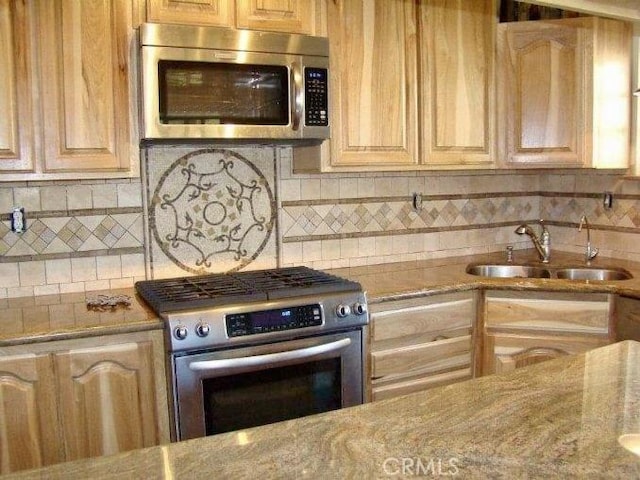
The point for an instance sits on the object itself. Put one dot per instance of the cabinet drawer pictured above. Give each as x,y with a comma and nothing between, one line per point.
426,317
438,356
387,389
548,311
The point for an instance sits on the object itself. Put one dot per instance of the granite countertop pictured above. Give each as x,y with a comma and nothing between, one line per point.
558,419
65,316
428,277
26,320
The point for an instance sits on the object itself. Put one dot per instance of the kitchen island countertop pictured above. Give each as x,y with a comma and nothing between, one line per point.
558,419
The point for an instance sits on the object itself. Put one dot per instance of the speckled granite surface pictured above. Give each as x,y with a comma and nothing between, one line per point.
558,419
55,317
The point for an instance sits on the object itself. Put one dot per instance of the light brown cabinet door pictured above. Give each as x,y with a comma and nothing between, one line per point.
506,352
564,93
16,120
542,87
85,84
290,16
373,83
107,399
191,12
29,431
456,79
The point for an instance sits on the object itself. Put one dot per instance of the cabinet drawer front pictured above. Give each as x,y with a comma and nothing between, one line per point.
550,312
427,358
403,387
423,315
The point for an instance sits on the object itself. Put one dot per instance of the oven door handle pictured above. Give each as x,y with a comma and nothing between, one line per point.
270,358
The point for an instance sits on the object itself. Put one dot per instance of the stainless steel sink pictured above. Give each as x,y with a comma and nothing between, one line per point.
588,273
508,271
564,273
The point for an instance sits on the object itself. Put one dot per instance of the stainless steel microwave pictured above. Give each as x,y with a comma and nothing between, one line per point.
220,83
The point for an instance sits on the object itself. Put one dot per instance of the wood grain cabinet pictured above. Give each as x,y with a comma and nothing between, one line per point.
421,343
67,93
565,95
290,16
411,85
523,328
68,400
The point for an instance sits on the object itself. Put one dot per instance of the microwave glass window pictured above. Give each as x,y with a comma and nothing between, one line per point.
223,93
257,398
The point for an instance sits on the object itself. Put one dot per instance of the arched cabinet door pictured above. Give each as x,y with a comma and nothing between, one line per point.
107,399
29,430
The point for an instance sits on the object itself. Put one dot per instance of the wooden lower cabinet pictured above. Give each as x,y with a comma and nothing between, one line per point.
421,343
524,328
67,400
29,435
504,352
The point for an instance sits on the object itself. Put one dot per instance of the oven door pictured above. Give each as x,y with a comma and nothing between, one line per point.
222,391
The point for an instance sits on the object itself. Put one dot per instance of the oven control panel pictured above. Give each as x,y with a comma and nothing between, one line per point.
276,320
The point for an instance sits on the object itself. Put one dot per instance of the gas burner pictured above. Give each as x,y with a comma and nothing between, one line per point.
214,290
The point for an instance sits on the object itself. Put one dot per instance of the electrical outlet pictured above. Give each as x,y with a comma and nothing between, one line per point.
18,220
416,201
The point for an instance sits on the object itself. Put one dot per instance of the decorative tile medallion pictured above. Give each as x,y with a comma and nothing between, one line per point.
211,210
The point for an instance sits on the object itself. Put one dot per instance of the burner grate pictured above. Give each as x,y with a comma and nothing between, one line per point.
213,290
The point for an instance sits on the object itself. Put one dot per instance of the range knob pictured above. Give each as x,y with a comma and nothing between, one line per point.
343,310
202,329
360,308
180,332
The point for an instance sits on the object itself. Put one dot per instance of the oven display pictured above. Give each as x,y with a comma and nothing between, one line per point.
265,321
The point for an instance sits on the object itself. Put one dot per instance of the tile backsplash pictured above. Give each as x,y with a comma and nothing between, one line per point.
205,208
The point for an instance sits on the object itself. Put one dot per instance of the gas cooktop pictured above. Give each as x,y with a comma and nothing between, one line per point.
213,290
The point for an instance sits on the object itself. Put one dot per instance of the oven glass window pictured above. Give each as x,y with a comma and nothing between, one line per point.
223,93
258,398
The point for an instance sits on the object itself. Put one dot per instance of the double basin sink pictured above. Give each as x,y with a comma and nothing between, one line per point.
509,270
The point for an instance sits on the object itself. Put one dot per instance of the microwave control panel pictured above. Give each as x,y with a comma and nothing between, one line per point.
316,99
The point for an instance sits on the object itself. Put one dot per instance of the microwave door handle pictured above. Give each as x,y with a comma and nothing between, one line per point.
270,359
297,90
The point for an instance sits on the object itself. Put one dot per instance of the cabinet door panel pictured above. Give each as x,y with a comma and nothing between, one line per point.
16,120
374,82
29,435
543,92
291,16
506,352
107,399
457,83
85,83
195,12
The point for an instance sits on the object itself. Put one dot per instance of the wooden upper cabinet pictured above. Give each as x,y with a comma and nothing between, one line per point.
456,80
218,13
288,16
16,121
107,399
85,84
374,94
564,93
278,15
28,423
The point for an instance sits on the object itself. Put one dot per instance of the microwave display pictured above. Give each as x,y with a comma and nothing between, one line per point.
223,93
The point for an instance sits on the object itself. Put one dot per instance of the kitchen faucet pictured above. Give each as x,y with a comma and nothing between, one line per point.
590,252
542,243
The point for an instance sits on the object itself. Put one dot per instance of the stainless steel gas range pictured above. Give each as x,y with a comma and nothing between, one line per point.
251,348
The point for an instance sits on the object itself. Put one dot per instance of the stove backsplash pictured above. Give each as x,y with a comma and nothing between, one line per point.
209,209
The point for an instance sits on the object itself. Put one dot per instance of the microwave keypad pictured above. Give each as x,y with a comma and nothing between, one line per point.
315,97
